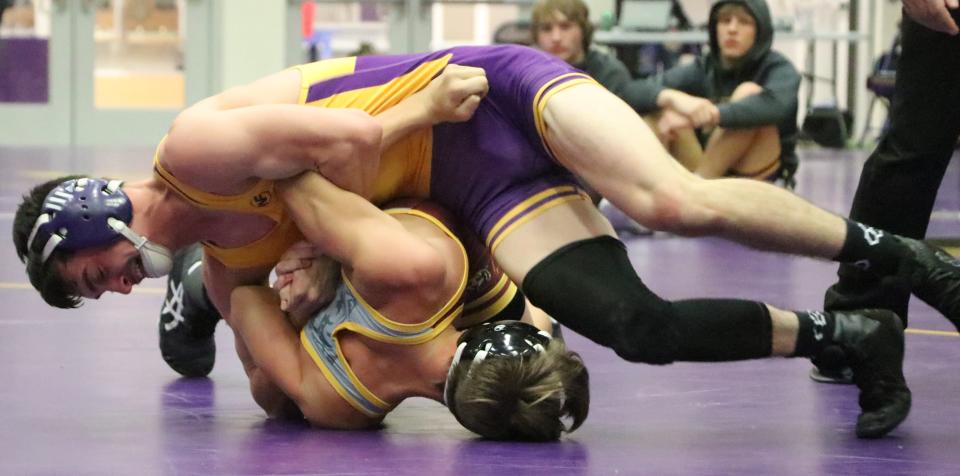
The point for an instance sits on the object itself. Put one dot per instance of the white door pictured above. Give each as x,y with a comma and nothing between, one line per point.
137,63
101,72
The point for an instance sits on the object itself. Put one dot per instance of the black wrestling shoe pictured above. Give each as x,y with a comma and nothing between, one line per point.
840,376
858,289
187,346
872,341
831,367
934,277
188,319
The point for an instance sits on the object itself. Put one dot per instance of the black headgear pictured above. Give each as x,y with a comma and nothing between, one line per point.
495,339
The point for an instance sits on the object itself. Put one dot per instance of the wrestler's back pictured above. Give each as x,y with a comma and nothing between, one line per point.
226,228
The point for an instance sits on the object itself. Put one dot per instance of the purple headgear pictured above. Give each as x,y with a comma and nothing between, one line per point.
90,212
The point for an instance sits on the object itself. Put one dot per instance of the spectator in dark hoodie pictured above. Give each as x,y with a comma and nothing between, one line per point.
733,111
563,29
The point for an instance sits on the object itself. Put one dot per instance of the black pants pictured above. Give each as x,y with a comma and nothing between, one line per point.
899,181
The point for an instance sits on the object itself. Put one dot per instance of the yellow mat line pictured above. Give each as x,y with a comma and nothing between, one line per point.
932,333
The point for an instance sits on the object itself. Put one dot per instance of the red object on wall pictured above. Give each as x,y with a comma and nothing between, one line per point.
307,9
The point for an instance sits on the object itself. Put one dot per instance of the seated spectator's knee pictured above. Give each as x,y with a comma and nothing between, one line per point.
769,138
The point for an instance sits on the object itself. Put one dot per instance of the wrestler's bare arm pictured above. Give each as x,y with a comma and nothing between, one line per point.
269,339
274,348
220,281
265,392
224,152
370,244
453,96
268,395
225,143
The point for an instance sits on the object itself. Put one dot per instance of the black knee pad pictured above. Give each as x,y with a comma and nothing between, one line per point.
591,287
722,330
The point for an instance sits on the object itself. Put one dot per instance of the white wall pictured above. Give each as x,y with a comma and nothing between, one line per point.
599,7
252,40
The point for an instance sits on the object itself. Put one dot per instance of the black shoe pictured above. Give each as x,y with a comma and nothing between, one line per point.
831,366
872,341
934,277
787,175
190,351
188,319
858,289
841,376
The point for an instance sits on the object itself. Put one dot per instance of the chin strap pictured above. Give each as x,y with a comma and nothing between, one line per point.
157,259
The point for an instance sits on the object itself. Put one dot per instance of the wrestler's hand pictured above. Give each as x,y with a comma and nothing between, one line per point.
299,256
933,14
455,94
306,281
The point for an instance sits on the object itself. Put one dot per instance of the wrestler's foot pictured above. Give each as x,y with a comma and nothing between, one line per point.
187,344
934,277
188,318
872,341
831,367
858,289
841,376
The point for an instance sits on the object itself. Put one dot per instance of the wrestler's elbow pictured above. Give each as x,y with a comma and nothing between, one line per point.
352,158
362,133
182,137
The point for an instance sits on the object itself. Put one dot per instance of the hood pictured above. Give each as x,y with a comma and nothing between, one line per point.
764,38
